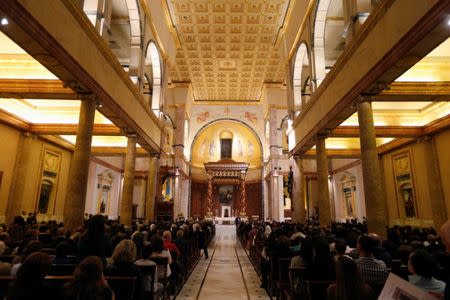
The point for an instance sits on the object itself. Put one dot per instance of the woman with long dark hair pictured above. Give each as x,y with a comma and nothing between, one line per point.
349,284
88,282
30,280
94,241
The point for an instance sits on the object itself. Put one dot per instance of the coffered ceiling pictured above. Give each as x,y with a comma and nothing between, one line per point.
227,47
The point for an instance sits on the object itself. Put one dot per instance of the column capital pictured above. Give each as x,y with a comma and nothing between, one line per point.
130,135
88,97
77,86
324,134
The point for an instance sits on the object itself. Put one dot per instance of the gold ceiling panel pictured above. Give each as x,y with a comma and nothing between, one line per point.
227,46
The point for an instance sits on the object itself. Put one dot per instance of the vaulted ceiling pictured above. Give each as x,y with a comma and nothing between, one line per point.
227,47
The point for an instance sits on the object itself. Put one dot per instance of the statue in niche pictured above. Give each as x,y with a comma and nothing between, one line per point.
44,197
408,198
251,149
203,148
240,150
212,149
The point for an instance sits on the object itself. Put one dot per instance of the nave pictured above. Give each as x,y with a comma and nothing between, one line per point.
227,274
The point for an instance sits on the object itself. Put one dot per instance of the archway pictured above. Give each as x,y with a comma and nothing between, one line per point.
152,77
244,147
301,78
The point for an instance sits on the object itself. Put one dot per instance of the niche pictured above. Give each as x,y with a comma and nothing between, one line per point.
48,182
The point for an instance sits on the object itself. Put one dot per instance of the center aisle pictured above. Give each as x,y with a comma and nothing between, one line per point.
228,274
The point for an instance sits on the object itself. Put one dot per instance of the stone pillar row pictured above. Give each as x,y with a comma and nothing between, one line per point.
372,179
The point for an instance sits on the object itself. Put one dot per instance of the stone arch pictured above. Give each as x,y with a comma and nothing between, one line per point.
153,76
301,74
258,147
329,34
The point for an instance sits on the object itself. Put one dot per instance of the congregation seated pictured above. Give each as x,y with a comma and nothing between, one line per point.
88,282
125,275
30,280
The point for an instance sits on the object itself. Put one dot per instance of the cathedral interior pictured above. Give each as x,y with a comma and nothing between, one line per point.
280,109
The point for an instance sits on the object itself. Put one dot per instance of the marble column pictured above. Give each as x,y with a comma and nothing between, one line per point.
299,195
74,205
150,201
126,203
18,188
373,184
322,181
243,199
209,206
436,194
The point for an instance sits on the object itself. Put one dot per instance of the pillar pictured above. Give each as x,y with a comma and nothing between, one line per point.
243,199
16,197
74,205
373,184
150,201
299,194
322,181
126,203
436,194
209,207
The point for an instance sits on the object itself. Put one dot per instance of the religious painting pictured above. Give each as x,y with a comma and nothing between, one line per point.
347,184
104,185
225,148
404,183
202,117
167,189
251,117
226,194
50,165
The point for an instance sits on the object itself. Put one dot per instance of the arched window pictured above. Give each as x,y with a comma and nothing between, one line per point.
152,86
301,78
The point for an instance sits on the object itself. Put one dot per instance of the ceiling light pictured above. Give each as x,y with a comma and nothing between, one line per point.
448,22
4,21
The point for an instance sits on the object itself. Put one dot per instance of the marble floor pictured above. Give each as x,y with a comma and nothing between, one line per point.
227,274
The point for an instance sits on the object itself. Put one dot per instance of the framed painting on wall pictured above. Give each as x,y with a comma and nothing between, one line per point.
404,184
48,182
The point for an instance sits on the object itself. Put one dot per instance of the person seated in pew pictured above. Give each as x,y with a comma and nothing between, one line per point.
121,263
30,282
349,284
422,267
169,245
373,271
322,266
63,250
94,241
88,282
146,261
403,253
30,248
159,251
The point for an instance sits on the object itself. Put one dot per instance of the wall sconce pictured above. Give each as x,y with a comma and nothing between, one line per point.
177,171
